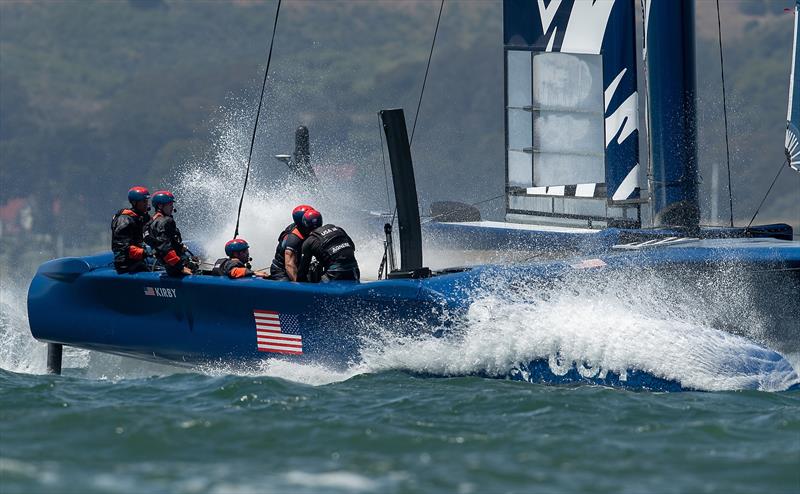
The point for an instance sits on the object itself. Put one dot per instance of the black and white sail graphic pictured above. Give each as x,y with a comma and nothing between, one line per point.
571,109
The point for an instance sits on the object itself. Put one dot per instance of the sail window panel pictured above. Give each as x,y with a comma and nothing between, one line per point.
520,169
519,78
587,207
520,135
563,169
567,81
528,203
567,132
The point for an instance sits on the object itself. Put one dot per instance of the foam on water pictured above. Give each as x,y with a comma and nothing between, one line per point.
19,352
647,323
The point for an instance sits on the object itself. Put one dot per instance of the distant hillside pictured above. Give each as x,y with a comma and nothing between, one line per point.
95,96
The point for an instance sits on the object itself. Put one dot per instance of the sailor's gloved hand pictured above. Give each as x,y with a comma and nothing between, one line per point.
193,264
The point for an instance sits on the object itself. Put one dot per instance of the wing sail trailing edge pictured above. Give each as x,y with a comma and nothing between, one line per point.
792,144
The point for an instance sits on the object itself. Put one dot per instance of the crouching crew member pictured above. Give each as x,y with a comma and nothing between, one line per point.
333,249
290,242
127,232
237,264
163,236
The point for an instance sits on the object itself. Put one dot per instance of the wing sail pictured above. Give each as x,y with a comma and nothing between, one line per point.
792,144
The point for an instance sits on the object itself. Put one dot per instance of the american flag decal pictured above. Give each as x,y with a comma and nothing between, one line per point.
271,338
149,290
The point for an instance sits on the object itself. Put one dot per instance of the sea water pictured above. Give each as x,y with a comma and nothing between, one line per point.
421,414
410,417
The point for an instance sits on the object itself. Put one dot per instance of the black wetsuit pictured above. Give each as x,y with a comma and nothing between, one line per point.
291,238
163,236
335,252
127,240
232,268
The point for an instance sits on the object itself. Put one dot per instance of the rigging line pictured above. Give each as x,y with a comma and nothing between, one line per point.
258,113
383,159
725,113
783,165
425,79
422,91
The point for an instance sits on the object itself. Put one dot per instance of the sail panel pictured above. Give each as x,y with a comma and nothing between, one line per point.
578,59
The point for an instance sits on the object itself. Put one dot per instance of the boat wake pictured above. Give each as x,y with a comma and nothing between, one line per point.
579,332
710,334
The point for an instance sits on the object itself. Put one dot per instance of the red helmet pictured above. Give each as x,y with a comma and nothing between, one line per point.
312,220
162,197
298,212
138,193
235,245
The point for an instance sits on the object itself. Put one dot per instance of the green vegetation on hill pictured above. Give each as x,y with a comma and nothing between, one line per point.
96,96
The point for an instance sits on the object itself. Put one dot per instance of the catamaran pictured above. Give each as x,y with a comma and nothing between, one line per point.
574,184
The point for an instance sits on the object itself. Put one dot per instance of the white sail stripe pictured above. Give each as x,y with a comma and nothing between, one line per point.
549,47
626,117
586,27
585,190
536,190
547,14
266,317
612,88
628,185
557,190
267,325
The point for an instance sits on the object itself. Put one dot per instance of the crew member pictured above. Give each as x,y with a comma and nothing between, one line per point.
290,242
163,236
333,249
237,264
127,232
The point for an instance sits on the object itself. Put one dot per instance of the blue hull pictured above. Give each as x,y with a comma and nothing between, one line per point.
198,320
